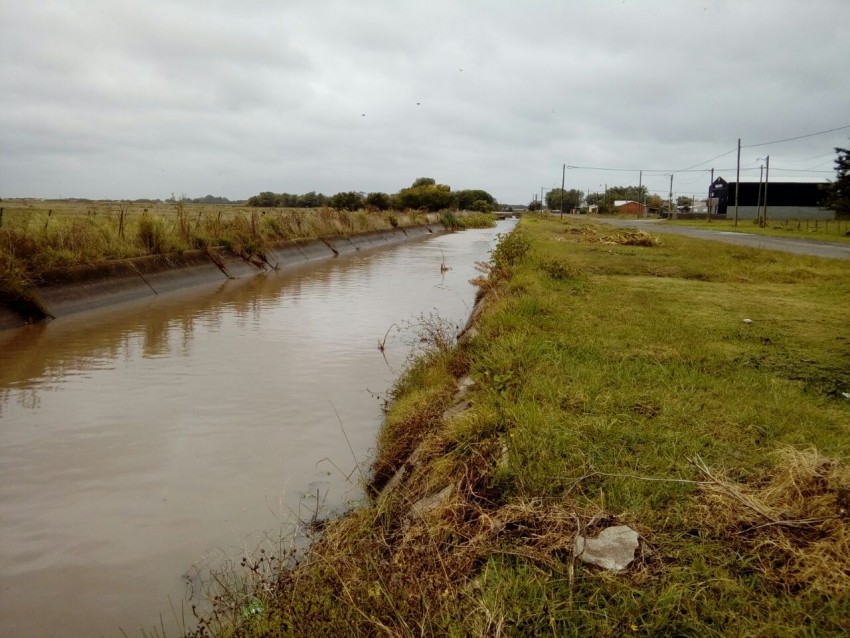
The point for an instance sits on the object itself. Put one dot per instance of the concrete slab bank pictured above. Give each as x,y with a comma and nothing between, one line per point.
78,288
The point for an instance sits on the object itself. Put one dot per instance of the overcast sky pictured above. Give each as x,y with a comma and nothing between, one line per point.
120,99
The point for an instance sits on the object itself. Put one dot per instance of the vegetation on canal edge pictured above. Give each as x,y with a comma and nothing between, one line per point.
39,236
455,222
692,390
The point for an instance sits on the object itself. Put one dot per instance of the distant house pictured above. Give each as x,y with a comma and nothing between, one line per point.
629,207
784,199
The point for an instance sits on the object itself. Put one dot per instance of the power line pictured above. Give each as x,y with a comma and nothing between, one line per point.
693,169
683,170
799,137
800,170
660,171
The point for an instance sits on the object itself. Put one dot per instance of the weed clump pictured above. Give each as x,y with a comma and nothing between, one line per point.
560,270
151,234
510,250
795,518
454,222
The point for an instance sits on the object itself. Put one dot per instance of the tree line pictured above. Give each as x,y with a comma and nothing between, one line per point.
573,199
424,194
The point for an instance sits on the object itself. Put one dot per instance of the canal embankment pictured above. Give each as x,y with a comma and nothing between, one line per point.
683,402
68,290
159,437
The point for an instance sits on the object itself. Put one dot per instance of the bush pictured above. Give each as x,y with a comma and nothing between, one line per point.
510,250
482,206
151,234
450,220
347,201
381,201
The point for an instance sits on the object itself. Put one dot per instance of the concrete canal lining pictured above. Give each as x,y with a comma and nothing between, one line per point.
75,289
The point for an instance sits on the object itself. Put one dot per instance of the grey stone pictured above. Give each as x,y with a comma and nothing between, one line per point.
456,409
409,465
464,383
614,548
431,502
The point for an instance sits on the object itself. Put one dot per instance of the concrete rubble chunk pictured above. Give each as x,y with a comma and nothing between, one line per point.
464,383
456,409
409,465
431,502
613,549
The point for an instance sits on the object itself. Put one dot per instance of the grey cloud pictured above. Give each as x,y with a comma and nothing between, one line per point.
142,99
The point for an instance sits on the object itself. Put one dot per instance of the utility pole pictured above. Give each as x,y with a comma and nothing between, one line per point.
738,182
541,194
709,195
563,175
766,180
758,196
640,194
672,210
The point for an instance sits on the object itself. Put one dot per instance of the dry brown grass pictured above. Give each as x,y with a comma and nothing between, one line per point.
591,235
795,518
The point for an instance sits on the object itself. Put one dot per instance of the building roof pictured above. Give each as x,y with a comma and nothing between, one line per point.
623,202
778,179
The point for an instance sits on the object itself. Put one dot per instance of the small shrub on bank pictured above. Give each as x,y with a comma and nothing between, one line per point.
559,269
511,249
450,220
151,234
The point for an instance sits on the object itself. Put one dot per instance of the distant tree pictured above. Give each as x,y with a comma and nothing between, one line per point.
572,199
381,201
595,199
654,202
683,201
433,197
838,192
210,199
266,199
535,204
347,201
312,200
466,200
423,181
633,193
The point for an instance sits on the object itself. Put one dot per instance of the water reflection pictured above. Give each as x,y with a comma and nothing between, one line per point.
136,439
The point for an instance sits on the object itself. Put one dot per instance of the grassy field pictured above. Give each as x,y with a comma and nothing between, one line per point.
692,390
36,236
823,230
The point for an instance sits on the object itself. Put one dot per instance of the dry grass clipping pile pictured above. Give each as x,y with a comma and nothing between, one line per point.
631,238
796,519
624,238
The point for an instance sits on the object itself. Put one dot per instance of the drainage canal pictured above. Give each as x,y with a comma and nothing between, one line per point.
138,440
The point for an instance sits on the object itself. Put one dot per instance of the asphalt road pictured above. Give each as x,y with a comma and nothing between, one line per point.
828,249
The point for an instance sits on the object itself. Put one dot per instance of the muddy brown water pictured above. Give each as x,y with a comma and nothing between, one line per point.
140,443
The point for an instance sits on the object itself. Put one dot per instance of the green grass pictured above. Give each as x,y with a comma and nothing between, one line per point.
822,230
616,381
474,220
